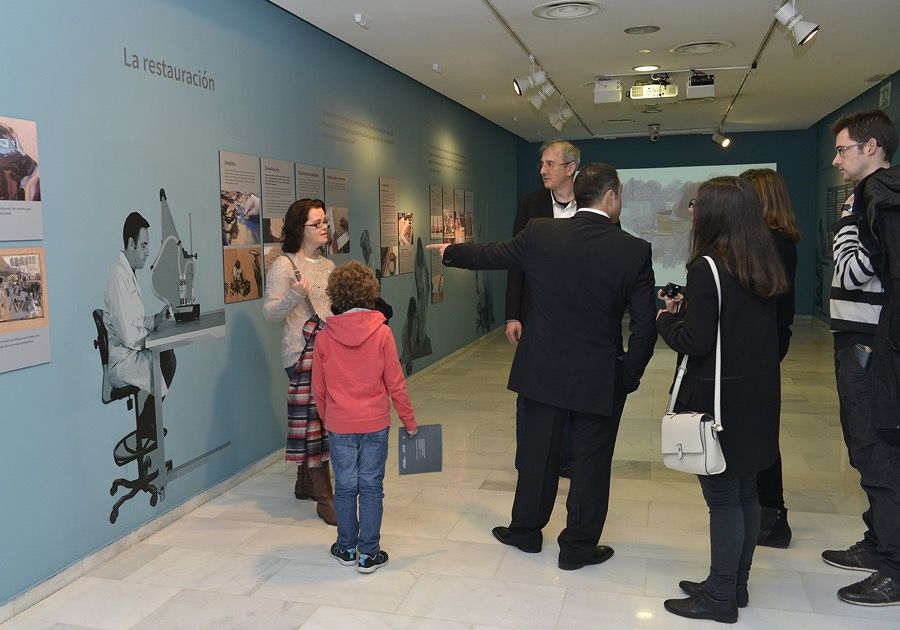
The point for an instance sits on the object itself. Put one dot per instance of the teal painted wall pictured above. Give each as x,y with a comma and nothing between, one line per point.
109,138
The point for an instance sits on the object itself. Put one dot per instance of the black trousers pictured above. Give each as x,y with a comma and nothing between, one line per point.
733,528
593,440
147,418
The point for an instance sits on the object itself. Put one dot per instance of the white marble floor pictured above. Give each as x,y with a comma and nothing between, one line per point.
255,557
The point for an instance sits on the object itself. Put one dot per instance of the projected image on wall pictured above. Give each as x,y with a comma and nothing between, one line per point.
655,208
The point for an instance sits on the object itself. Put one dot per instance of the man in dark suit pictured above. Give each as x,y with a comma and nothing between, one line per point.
583,274
556,200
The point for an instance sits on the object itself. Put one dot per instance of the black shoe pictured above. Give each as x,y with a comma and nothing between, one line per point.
857,558
774,530
346,557
369,564
695,588
703,606
566,472
599,555
876,590
504,535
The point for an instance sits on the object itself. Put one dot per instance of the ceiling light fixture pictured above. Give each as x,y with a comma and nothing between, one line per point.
803,30
537,78
362,21
537,99
646,68
722,140
559,118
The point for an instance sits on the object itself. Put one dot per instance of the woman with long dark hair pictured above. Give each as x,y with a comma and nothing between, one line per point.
774,530
729,227
295,294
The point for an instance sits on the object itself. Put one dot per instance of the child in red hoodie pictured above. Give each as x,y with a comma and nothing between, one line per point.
356,374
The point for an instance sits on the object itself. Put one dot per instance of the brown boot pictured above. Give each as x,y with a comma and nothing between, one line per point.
321,480
303,488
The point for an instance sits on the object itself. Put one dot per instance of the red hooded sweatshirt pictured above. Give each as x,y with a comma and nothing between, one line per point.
355,368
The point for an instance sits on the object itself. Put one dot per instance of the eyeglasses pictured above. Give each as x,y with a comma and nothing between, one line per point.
542,164
692,203
840,150
318,224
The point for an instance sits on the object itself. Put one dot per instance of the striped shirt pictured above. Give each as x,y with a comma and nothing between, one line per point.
856,291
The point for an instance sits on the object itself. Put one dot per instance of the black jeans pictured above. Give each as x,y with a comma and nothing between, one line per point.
733,529
857,413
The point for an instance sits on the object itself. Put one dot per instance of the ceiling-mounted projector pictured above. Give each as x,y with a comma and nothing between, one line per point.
700,86
653,90
607,91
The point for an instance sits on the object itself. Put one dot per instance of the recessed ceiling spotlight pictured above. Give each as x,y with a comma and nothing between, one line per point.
641,30
644,51
567,10
700,48
648,68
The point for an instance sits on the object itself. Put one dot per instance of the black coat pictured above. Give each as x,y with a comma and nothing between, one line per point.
878,197
584,273
751,378
534,205
784,304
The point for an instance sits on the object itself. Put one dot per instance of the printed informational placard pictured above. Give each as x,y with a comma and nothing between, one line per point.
337,202
470,216
405,235
437,278
310,181
24,310
437,216
277,196
387,204
422,452
241,209
447,210
20,181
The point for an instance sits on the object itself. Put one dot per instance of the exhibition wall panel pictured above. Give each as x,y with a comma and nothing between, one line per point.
134,96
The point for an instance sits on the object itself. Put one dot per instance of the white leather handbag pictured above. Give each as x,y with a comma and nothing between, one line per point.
690,439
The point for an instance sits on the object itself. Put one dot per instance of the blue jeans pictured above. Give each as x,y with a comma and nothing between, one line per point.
358,461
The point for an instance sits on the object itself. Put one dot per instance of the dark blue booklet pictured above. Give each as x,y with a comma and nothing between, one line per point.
422,452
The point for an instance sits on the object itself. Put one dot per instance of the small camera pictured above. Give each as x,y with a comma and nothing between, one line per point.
654,133
671,290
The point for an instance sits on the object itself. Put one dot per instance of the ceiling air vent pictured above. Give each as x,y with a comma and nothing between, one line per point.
700,48
563,10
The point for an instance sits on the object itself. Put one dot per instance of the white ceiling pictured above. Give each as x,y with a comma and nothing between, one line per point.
792,88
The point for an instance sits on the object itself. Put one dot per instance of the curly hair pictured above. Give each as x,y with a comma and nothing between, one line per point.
352,286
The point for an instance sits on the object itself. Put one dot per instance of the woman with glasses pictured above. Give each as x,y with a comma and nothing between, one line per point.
729,228
774,530
295,294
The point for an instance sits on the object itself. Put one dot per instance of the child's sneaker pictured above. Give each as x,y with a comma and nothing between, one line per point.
347,557
368,564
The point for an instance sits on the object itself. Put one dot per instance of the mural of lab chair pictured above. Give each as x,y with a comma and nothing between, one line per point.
129,448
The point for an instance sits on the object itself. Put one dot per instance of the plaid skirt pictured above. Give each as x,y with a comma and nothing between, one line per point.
307,441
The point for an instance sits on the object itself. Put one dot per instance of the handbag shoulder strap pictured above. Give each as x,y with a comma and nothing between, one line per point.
297,276
717,405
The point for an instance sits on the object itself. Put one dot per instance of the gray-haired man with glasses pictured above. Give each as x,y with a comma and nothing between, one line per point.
557,167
